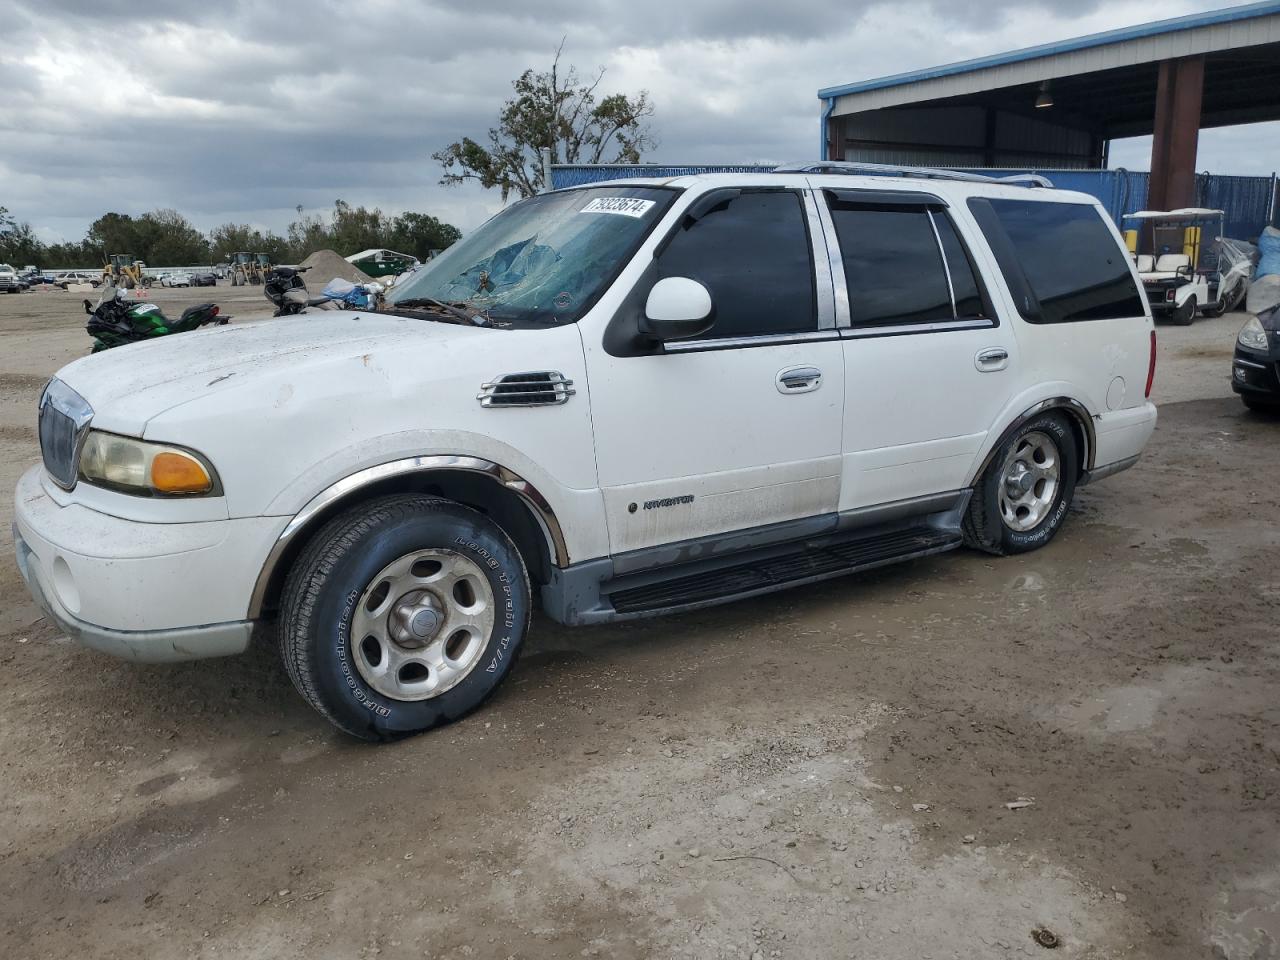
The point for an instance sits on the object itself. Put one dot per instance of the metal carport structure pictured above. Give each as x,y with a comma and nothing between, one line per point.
1059,104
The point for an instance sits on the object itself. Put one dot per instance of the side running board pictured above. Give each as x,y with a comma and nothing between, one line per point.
800,563
700,573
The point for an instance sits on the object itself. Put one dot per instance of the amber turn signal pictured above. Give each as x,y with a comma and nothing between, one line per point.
173,472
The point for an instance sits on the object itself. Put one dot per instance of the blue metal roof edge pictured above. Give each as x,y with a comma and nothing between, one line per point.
1188,22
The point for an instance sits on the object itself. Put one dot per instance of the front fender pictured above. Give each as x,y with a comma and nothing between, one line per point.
574,517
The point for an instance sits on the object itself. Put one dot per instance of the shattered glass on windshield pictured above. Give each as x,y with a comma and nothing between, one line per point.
544,260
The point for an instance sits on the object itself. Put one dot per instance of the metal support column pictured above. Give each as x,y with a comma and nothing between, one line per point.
1177,133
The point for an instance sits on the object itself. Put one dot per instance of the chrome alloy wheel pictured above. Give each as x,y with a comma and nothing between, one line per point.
422,624
1029,481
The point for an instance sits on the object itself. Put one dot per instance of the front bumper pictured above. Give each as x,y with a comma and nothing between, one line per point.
1255,374
141,591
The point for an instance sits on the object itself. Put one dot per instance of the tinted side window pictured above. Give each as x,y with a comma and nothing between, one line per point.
964,279
753,253
892,265
1060,260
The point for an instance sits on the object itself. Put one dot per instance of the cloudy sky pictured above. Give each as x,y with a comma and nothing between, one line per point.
242,111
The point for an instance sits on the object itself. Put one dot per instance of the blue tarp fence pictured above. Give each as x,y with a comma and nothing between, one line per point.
1249,202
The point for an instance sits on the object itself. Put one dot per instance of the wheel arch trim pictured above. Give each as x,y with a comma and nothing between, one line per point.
341,489
1078,412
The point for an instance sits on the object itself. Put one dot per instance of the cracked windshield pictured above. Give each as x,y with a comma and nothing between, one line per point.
542,261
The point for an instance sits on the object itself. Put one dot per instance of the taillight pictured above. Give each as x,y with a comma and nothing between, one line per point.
215,310
1168,296
1151,367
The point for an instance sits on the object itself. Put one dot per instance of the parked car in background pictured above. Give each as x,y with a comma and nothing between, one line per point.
176,279
207,279
1255,367
93,278
919,363
10,282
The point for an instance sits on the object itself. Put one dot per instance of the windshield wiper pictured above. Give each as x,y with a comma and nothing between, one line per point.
461,316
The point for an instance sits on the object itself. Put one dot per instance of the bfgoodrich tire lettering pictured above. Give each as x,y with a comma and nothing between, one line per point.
335,570
984,525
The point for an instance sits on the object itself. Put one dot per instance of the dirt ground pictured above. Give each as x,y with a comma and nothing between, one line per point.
822,773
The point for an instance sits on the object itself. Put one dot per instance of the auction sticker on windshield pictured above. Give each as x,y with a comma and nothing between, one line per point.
625,206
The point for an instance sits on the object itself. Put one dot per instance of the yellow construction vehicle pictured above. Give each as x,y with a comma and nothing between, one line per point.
249,268
121,270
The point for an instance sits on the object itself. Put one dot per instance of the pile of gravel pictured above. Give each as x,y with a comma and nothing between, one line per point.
324,265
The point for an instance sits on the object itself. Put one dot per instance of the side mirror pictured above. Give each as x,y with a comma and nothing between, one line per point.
677,308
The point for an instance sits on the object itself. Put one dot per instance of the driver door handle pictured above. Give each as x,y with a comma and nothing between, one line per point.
799,380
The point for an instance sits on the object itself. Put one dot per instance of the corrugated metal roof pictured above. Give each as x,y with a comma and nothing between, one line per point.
1122,35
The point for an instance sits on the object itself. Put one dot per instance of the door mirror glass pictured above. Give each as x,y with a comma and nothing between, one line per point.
677,308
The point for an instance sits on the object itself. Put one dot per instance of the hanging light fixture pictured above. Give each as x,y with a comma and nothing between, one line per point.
1046,98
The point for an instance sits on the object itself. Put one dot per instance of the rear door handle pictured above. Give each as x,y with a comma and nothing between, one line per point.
799,380
991,359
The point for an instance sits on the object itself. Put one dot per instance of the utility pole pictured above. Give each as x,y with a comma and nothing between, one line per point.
546,170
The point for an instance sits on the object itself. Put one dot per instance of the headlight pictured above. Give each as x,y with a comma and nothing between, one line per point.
1252,335
147,469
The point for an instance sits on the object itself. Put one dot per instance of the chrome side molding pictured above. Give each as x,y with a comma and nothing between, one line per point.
526,491
1074,407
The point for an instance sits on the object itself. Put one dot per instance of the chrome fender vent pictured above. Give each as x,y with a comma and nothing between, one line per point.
538,388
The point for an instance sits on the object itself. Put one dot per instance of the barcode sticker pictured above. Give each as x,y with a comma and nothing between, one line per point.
624,206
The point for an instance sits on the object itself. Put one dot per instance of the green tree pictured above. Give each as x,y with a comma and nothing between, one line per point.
231,238
308,234
351,229
354,228
113,233
553,109
421,235
166,237
19,245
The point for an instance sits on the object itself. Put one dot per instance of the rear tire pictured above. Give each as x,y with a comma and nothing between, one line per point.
1021,500
440,598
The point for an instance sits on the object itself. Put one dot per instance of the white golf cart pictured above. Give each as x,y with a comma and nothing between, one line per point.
1191,266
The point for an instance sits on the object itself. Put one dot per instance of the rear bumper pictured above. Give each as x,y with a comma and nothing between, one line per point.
1120,436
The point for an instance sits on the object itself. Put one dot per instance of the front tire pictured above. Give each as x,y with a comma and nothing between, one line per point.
1185,315
403,614
1021,500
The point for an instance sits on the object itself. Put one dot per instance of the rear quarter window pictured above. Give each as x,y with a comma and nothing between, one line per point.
1061,261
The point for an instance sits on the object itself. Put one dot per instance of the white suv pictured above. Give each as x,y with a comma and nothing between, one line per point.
627,399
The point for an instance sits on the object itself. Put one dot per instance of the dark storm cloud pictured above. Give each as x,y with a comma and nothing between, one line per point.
249,109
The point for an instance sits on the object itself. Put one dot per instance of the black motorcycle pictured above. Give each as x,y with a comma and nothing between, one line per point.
285,288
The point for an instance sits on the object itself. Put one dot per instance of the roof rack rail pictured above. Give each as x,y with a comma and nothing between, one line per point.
893,170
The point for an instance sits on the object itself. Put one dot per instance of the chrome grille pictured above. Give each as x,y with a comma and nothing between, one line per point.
63,421
526,390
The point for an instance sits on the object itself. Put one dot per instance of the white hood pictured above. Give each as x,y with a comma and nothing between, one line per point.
127,386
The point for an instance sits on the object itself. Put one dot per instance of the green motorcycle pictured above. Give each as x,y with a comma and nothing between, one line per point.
117,320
